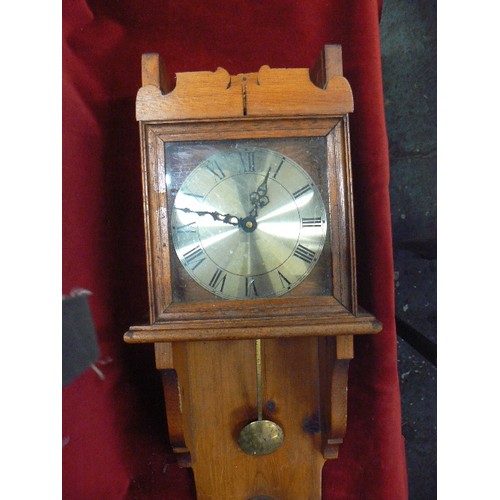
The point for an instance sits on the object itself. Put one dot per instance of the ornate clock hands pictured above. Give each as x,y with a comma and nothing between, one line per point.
217,216
259,198
248,224
254,232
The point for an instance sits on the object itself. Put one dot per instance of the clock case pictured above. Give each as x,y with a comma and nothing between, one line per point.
283,104
272,104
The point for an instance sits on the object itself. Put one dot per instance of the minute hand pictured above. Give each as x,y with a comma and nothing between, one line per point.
217,216
259,198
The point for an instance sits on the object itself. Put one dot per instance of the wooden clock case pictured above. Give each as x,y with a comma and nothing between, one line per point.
204,346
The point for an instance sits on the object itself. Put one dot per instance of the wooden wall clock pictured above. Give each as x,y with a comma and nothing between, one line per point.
250,250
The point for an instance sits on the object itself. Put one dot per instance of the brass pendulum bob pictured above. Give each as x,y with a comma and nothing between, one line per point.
260,437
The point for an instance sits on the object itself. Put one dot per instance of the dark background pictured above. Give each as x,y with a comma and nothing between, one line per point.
409,45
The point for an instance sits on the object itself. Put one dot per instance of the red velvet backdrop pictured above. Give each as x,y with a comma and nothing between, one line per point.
115,445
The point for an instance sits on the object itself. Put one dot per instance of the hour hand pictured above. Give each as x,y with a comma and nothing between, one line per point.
217,216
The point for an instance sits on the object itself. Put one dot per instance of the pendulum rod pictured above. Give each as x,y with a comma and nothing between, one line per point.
258,361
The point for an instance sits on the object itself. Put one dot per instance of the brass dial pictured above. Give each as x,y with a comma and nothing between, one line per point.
248,223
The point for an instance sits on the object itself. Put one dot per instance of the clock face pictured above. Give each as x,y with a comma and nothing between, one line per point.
248,223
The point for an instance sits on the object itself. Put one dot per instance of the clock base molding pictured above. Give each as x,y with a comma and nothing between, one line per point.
205,347
237,329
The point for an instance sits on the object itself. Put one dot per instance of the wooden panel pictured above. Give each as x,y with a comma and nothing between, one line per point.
201,94
155,222
344,347
328,65
163,355
270,92
342,227
173,407
244,128
286,92
154,73
220,380
333,380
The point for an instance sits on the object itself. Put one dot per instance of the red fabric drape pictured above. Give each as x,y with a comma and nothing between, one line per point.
114,429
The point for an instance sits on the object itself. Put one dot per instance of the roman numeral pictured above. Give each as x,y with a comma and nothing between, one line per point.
302,191
218,280
214,167
284,282
249,163
304,253
279,168
311,221
194,257
250,288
